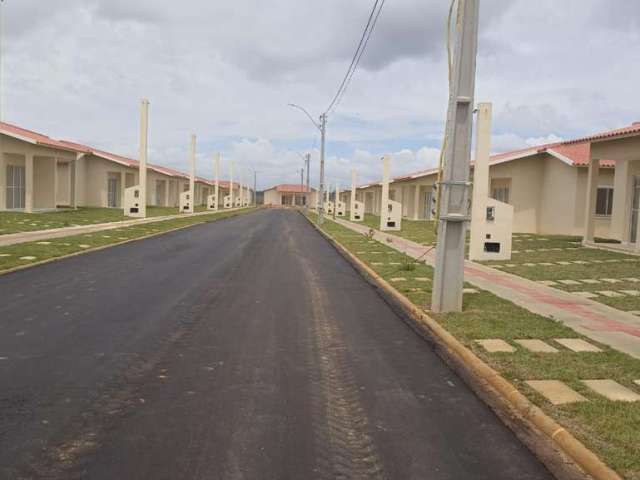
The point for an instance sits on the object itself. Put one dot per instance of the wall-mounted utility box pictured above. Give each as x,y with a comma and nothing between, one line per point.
212,202
186,202
132,203
357,211
392,217
329,208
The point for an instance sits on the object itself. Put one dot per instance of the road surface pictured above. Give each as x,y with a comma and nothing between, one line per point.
241,349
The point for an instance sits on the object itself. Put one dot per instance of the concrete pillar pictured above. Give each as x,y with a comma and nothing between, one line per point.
3,181
416,202
144,134
592,194
619,229
55,183
216,187
480,181
384,200
73,171
28,182
231,184
123,186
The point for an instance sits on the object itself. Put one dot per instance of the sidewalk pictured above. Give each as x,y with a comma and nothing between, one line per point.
604,324
34,236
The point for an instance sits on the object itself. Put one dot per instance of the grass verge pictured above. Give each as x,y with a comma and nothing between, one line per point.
24,254
16,222
611,429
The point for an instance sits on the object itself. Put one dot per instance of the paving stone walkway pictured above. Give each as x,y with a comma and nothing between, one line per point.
33,236
604,324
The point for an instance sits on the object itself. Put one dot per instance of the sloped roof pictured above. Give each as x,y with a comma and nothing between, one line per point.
633,129
576,153
39,138
290,188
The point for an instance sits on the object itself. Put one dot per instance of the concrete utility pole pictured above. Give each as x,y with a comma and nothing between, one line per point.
192,174
306,208
231,184
453,189
302,181
216,188
323,131
322,126
255,181
144,149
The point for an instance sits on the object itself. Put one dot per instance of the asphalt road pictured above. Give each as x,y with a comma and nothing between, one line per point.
242,349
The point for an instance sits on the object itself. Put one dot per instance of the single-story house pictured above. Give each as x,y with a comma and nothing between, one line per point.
39,173
289,195
621,147
546,184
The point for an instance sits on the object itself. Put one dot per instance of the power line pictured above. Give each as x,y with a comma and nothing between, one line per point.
375,12
366,42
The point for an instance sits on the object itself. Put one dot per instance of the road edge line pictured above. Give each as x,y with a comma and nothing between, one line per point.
481,376
104,247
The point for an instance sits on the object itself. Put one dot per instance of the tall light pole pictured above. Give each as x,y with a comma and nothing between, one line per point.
454,187
322,126
302,181
255,192
306,205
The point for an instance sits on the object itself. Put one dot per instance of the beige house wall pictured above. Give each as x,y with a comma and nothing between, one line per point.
548,195
42,185
95,180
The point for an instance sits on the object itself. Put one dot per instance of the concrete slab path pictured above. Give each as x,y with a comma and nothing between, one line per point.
604,324
34,236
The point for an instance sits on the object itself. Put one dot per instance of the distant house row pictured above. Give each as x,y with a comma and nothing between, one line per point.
39,173
552,187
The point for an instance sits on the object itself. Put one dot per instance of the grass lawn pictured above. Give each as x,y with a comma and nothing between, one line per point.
611,429
538,257
419,231
25,253
15,222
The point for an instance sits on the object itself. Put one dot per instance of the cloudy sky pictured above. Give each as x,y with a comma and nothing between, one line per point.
226,69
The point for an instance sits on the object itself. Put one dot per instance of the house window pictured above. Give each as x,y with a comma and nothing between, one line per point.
501,194
501,189
604,201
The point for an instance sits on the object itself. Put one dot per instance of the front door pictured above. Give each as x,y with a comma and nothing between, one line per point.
428,200
112,190
15,186
635,210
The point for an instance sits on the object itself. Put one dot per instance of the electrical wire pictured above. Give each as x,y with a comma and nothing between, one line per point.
445,141
358,53
366,42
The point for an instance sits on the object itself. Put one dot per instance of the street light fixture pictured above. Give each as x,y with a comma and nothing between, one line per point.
322,126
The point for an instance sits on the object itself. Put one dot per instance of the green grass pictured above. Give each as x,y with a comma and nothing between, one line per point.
611,429
16,222
530,248
603,264
419,231
26,253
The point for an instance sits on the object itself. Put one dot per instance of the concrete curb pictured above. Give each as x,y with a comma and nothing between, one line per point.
554,434
104,247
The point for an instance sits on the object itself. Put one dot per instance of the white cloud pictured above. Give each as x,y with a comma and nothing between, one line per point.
225,70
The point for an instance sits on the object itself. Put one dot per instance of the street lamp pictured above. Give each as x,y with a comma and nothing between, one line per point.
322,126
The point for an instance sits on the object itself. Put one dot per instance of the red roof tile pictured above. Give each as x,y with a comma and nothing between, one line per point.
290,188
38,138
632,129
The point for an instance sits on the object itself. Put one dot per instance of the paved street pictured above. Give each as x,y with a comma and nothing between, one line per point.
241,349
